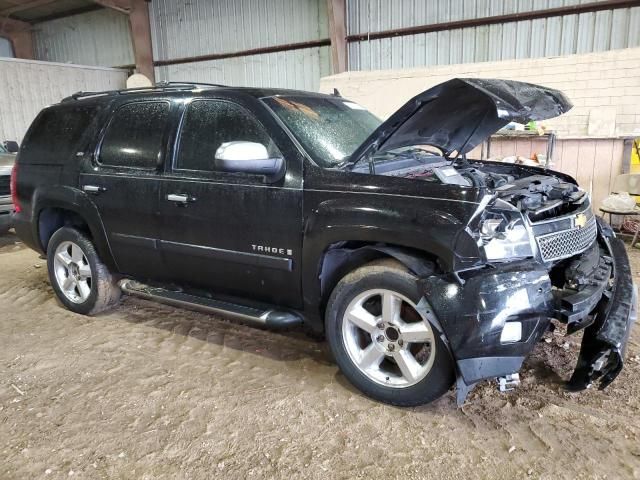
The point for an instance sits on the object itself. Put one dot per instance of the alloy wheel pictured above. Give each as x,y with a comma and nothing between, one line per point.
388,339
72,272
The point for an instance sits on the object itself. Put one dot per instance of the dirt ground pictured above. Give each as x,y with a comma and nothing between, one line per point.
149,391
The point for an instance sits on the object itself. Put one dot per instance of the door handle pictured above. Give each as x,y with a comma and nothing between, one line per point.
93,189
180,198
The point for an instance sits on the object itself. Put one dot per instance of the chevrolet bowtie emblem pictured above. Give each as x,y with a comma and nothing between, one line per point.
581,220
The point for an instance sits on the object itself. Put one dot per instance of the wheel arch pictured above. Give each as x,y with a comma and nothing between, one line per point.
340,258
56,207
413,231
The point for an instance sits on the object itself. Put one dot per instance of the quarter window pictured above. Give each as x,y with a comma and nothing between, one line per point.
135,134
207,124
57,134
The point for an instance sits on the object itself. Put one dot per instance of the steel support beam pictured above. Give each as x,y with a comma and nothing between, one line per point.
337,10
245,53
141,35
138,12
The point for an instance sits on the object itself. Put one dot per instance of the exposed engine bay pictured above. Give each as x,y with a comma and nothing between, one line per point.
530,189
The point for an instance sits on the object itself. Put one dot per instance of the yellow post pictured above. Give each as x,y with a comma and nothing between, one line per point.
635,156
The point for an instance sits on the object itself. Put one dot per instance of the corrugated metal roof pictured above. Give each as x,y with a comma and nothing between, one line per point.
569,34
101,38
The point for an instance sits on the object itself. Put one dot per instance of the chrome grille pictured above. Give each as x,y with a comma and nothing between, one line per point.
564,244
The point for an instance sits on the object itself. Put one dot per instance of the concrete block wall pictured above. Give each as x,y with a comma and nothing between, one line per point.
604,88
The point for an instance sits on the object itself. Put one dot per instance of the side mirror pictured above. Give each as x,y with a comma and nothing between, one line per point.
247,157
11,146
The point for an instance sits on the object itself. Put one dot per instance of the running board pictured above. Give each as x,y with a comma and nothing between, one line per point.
263,317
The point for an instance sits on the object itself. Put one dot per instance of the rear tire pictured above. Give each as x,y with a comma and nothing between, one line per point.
81,281
381,341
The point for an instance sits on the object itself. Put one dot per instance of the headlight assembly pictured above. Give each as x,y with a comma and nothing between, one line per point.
503,236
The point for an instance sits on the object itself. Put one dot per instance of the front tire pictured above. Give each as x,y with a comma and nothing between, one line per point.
81,281
383,343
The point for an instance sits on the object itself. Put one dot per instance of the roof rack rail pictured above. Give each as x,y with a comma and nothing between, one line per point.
159,86
166,83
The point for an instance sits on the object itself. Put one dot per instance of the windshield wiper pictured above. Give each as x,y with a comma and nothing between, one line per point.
416,154
344,163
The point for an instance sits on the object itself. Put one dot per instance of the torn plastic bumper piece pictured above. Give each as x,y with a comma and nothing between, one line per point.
472,315
508,382
605,340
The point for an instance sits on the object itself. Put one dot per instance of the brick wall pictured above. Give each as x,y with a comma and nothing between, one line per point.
604,88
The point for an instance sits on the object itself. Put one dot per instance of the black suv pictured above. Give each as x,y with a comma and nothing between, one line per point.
422,267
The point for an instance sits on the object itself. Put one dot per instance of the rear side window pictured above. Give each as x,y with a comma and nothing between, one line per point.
135,136
207,124
56,133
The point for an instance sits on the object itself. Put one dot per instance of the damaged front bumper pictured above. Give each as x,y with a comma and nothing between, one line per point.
492,318
608,325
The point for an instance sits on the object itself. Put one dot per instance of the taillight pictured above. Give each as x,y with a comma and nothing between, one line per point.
14,188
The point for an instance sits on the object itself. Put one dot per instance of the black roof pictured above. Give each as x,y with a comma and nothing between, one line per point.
169,87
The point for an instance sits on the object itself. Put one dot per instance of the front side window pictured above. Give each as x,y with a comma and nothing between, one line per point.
329,129
134,137
207,124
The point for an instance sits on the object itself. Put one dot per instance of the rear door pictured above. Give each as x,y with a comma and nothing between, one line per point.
232,233
123,180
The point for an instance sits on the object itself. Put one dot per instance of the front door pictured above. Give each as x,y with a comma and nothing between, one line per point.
123,181
230,233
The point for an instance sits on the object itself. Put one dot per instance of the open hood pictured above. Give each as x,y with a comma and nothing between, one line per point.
461,113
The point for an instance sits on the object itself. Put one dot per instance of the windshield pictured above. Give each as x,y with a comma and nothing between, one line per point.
329,129
2,149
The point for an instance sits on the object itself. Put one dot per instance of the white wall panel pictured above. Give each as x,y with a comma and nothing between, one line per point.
102,38
28,86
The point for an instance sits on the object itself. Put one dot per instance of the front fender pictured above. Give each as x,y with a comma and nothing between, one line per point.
436,227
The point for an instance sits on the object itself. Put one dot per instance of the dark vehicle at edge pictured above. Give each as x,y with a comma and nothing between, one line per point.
7,160
422,268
